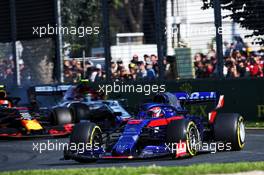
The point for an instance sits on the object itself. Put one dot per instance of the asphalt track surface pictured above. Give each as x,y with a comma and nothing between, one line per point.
19,155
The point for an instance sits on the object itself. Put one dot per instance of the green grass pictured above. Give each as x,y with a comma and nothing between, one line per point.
176,170
257,124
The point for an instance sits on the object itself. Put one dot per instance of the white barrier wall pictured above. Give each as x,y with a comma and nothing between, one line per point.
126,52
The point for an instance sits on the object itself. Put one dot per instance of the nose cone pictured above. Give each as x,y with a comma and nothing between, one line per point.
122,149
125,146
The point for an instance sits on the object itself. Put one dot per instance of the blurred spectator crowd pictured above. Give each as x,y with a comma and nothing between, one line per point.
7,71
239,61
147,69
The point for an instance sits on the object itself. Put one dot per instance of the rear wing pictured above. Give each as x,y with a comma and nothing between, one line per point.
201,97
46,90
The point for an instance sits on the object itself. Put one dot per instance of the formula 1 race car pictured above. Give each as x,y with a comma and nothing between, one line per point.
79,103
24,122
162,128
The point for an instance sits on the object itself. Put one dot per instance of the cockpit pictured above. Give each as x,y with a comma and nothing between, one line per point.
81,92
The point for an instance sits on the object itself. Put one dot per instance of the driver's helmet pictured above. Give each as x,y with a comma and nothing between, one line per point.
3,101
156,112
83,92
2,94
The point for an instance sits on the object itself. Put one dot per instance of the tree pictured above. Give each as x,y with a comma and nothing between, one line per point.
133,16
125,16
248,13
128,13
81,13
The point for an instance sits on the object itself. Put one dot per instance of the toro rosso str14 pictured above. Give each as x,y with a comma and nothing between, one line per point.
159,124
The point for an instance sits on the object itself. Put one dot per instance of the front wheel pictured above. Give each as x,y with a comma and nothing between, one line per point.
86,134
230,129
180,131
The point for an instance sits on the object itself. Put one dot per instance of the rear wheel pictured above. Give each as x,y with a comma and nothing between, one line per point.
230,129
84,134
79,111
61,116
184,131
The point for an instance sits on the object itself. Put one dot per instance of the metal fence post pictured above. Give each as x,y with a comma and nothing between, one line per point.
159,34
219,37
59,56
106,38
17,80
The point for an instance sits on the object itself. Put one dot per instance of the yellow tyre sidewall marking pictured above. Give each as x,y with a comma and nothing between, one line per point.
188,139
240,120
94,129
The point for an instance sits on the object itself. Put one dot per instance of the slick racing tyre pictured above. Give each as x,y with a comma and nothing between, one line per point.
79,111
184,131
61,116
230,128
86,133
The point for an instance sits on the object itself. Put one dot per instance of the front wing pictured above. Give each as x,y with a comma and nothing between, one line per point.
51,131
